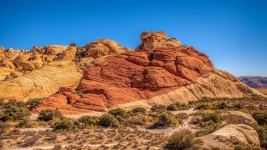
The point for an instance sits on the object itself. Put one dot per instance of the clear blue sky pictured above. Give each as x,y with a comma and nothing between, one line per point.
233,33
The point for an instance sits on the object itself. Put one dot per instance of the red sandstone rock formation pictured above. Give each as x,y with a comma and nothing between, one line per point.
154,73
132,76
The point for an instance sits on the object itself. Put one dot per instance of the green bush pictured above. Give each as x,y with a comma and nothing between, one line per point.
172,107
177,106
165,120
118,113
139,110
262,132
14,113
49,114
180,140
208,128
182,116
260,117
214,117
108,120
64,124
31,103
57,147
222,105
88,120
159,108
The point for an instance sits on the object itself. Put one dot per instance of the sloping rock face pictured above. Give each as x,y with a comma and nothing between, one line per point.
237,117
243,133
153,75
40,83
233,132
40,72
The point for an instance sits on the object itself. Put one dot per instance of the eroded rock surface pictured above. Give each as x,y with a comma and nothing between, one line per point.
153,75
40,72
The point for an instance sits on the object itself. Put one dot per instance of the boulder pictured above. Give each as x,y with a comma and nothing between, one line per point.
237,117
154,40
103,47
243,133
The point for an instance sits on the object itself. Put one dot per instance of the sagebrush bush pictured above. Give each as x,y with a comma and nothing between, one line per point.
214,117
108,120
260,117
49,114
180,140
88,120
118,113
172,107
31,103
64,124
166,120
139,110
159,108
15,113
31,140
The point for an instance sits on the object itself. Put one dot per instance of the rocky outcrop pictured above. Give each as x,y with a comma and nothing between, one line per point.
153,75
243,133
156,40
103,47
40,83
237,117
239,133
42,71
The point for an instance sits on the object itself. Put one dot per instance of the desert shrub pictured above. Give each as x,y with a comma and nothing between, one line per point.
118,113
222,105
64,124
49,114
237,107
23,123
80,93
14,113
180,140
177,106
31,140
108,120
159,108
195,120
139,110
214,117
260,117
3,127
182,116
31,103
262,132
203,107
208,128
88,120
57,147
172,107
165,120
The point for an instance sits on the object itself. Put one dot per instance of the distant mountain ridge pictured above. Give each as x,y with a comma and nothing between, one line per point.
254,81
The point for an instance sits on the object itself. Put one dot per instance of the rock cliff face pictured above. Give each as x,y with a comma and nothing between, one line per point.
160,71
41,71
